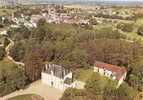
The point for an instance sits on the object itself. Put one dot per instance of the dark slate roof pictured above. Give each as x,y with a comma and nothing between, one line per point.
68,81
57,70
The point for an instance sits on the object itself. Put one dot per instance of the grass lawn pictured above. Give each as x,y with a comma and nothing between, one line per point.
84,74
22,97
6,12
27,97
6,64
1,39
139,21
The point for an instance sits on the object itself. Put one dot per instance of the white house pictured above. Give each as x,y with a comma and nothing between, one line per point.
3,31
84,22
1,45
57,76
14,26
36,18
30,24
111,71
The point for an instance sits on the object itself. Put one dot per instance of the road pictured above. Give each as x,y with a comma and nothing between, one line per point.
45,91
7,49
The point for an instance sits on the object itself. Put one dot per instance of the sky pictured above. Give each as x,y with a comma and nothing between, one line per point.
110,0
95,0
114,0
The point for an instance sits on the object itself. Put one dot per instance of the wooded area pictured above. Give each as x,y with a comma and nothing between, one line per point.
76,47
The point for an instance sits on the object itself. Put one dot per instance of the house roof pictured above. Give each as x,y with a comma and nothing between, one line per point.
57,70
2,29
119,71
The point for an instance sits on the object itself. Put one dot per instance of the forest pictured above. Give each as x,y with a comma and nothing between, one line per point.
76,47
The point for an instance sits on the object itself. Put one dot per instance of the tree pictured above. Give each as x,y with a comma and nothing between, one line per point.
6,42
135,78
12,80
96,84
33,62
48,49
2,53
140,30
93,21
19,33
74,94
16,80
110,33
18,51
1,25
124,92
41,22
109,90
126,27
78,58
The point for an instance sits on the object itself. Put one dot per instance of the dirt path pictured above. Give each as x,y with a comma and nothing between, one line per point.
38,88
7,49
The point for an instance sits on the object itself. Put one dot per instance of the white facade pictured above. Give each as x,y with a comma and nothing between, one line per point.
30,25
54,81
57,82
121,80
4,32
1,45
110,74
103,71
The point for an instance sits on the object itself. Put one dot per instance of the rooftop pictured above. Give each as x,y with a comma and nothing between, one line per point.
119,71
2,29
56,70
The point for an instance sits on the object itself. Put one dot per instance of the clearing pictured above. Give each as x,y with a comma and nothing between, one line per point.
38,88
83,75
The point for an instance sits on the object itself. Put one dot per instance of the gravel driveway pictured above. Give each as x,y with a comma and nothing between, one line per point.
39,88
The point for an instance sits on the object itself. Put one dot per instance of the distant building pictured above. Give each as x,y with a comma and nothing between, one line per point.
14,26
111,71
84,22
57,76
30,24
3,31
1,44
36,18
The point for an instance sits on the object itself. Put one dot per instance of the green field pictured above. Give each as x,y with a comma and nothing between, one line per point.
27,97
22,97
139,21
6,12
84,75
6,64
1,39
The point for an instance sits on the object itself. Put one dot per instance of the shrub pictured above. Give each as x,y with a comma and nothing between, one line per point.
125,27
140,30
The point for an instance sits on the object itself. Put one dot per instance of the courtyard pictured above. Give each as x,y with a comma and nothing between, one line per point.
38,88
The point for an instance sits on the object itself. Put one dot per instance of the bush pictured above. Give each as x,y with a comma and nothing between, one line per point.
140,30
2,53
126,27
12,80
